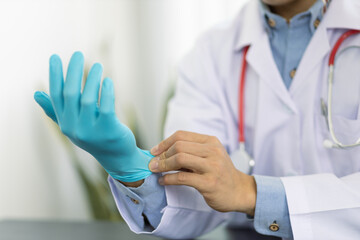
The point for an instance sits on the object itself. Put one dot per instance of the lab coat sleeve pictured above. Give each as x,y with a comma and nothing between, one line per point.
271,207
195,107
324,206
170,222
198,106
133,203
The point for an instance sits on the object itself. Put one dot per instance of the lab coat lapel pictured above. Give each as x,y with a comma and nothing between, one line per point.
259,59
342,14
317,49
274,106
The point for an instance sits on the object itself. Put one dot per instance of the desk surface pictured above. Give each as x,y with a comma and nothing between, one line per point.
96,230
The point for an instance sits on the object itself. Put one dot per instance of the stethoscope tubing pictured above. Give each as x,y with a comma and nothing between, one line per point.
241,123
328,143
334,142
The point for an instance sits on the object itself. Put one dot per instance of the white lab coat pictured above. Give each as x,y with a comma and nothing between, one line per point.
285,129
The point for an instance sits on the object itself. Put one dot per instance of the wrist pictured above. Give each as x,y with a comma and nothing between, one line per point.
247,194
251,196
132,184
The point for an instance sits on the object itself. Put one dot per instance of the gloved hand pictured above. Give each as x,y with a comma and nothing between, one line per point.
90,125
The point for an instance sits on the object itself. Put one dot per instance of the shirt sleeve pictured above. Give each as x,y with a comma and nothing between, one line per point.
271,211
147,200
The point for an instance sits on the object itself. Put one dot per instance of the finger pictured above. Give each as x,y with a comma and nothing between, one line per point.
107,97
56,83
72,86
184,178
90,95
177,162
45,103
181,136
193,148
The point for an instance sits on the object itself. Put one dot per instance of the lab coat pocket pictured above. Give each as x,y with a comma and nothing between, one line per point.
346,130
340,161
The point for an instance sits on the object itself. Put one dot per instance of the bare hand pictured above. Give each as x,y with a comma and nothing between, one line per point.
204,164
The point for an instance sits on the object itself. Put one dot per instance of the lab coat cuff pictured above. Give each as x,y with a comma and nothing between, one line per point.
148,199
271,211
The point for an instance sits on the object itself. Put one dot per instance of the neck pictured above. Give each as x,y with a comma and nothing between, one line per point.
291,9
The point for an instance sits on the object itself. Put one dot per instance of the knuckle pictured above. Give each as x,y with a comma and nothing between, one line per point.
162,144
180,159
69,94
85,101
165,179
168,179
181,177
216,167
179,134
218,150
163,165
214,140
214,164
178,146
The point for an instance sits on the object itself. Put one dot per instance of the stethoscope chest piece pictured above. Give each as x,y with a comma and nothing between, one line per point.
242,160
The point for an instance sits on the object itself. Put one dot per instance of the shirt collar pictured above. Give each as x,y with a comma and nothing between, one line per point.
314,13
341,14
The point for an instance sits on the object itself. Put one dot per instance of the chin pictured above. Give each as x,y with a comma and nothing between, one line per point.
277,2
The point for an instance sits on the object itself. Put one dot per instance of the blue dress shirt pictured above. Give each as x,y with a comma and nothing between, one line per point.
288,41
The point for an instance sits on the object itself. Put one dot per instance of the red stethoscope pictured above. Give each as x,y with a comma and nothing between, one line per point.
242,160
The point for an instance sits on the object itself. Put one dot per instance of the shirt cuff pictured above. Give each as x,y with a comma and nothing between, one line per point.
271,211
148,199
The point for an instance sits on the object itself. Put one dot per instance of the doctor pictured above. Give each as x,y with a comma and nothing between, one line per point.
261,80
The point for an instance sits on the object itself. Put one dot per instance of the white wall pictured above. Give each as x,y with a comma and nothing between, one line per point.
139,43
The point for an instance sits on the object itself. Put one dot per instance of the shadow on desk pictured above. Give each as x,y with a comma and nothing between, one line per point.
99,230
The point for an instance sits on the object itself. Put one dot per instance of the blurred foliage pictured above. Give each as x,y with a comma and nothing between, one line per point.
97,190
170,94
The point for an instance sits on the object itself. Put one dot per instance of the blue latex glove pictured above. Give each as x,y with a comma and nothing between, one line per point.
90,125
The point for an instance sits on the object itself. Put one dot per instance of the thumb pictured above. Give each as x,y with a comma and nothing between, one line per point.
45,103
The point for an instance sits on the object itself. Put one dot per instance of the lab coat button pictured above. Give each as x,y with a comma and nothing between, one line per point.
274,227
316,23
292,73
134,201
271,22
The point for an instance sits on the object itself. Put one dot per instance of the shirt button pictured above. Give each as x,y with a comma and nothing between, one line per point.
134,201
316,23
274,227
292,73
271,22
